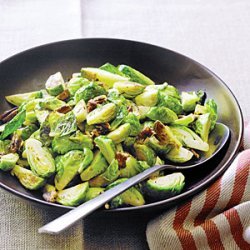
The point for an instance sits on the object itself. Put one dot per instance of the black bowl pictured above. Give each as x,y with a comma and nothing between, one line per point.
29,70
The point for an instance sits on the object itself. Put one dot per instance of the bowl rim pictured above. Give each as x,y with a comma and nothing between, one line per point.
185,195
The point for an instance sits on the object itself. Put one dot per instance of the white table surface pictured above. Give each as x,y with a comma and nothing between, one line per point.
215,33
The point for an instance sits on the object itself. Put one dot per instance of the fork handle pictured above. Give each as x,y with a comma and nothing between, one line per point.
65,221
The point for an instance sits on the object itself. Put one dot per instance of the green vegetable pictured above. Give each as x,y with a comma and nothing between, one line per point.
64,125
164,187
49,193
88,158
55,84
107,177
170,102
89,91
189,138
67,167
13,124
102,114
135,75
120,117
76,83
202,126
73,196
27,131
19,99
8,161
132,168
93,192
4,147
39,158
112,69
190,99
64,144
80,111
106,146
27,178
129,89
135,126
148,98
120,134
145,153
98,166
103,76
51,103
163,114
131,197
185,120
179,155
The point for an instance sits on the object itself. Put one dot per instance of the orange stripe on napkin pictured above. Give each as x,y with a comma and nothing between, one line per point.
236,228
212,196
241,178
185,237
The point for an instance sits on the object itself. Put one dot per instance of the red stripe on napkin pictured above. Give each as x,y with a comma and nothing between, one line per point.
185,237
241,177
236,228
212,196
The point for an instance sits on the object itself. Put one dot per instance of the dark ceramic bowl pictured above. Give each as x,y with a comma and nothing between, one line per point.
29,70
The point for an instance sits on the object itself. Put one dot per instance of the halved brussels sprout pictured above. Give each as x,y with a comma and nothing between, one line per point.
190,99
131,197
120,116
135,125
67,168
189,138
165,135
97,166
39,158
162,114
185,120
112,69
51,103
27,178
148,98
76,83
145,153
157,146
73,196
129,89
103,76
55,84
19,99
80,111
179,155
88,158
13,124
135,75
27,131
120,134
4,147
169,90
164,187
8,161
132,168
170,102
49,193
64,144
107,177
102,114
41,115
202,126
106,146
93,192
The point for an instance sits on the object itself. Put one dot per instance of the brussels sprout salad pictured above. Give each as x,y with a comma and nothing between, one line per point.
75,139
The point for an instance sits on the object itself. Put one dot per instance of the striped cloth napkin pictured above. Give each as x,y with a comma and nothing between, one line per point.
218,218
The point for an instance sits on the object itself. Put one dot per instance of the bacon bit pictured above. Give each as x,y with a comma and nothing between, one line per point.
16,143
92,103
64,109
130,109
146,132
101,129
64,95
121,158
196,155
8,115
